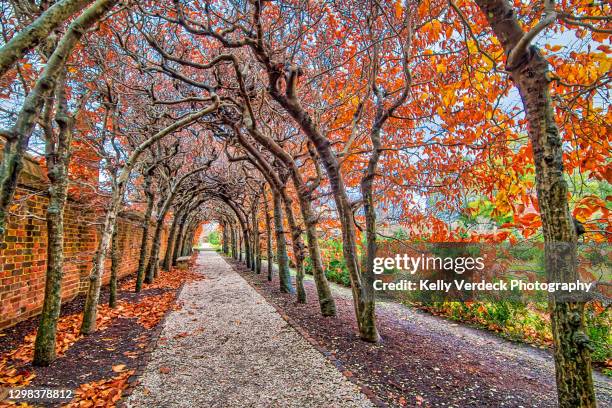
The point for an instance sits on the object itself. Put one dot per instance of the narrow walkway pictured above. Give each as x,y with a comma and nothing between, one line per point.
227,347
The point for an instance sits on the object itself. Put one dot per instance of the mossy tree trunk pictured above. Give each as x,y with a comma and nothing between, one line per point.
256,237
269,249
529,71
58,152
112,296
281,246
142,258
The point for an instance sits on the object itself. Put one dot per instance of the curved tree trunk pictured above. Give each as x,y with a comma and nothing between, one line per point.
90,310
28,38
326,300
298,248
529,71
369,301
290,103
367,327
58,159
177,245
281,246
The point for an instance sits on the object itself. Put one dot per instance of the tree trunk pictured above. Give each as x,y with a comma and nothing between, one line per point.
239,237
270,262
44,348
289,102
93,293
178,243
281,247
57,171
172,236
529,71
298,248
247,248
19,136
153,264
326,300
90,311
224,235
256,239
247,244
142,259
184,239
368,315
112,297
29,37
234,244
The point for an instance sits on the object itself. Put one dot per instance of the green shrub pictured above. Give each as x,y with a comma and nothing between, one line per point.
213,238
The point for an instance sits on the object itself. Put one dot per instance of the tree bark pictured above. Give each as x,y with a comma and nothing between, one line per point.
298,247
256,238
326,300
32,35
224,237
529,71
112,297
172,236
153,264
44,349
239,237
19,136
281,246
233,238
142,259
270,262
177,245
247,244
90,310
368,314
289,102
58,159
367,328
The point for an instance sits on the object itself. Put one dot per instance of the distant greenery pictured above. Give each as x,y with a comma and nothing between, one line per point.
333,262
214,239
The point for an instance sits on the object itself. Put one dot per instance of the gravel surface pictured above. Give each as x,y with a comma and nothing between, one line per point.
424,359
227,347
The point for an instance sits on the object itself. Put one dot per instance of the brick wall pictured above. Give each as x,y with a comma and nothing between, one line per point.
23,249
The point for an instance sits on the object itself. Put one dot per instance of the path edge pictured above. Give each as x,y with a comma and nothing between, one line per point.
134,380
365,390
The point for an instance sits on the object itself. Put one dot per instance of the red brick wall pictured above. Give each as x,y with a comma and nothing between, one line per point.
23,253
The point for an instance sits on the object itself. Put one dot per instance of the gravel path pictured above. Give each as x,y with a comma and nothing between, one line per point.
428,358
227,347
